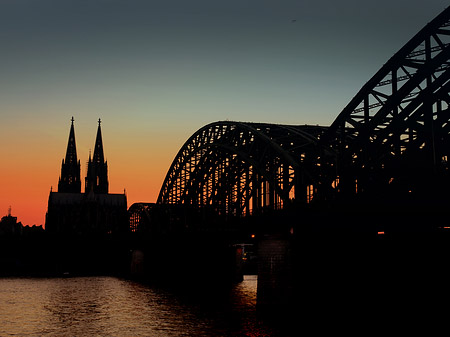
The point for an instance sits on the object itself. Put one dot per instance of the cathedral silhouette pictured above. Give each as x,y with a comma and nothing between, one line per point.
93,212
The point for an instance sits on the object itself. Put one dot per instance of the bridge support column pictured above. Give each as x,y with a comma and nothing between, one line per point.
275,281
238,273
137,267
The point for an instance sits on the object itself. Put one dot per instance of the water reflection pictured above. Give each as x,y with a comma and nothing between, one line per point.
105,306
243,300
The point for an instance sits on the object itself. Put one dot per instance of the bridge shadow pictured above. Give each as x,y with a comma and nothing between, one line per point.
346,269
376,281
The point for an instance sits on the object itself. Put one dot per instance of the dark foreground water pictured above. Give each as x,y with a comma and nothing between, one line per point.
108,306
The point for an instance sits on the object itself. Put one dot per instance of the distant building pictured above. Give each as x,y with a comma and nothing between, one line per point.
9,225
32,230
93,212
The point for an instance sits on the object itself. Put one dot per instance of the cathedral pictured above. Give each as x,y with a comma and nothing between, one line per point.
94,212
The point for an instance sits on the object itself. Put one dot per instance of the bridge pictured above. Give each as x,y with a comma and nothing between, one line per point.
381,167
391,142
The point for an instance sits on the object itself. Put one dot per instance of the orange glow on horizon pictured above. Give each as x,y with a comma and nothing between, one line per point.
137,164
28,196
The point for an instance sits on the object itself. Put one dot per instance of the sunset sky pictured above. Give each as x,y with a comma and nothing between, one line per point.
157,71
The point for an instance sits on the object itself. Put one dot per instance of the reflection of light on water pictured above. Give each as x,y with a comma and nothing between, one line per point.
244,302
245,292
106,306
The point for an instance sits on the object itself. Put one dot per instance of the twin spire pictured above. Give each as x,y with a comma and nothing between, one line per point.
97,170
70,169
71,153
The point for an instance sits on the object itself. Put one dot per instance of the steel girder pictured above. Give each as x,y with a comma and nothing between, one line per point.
233,168
401,112
139,216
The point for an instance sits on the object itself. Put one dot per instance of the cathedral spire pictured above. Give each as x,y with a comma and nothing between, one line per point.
71,153
98,149
69,182
97,173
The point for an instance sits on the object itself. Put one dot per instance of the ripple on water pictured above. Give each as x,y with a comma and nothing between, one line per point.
107,306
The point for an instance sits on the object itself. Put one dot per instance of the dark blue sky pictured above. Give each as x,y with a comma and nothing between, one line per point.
244,60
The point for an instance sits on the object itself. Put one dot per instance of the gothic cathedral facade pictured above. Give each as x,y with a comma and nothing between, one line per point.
94,212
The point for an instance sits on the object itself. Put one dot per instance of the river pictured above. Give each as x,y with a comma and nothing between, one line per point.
109,306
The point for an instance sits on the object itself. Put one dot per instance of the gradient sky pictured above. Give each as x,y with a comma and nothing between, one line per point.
157,71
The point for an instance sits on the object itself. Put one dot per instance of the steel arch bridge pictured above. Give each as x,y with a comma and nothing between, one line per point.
397,125
242,168
139,216
393,137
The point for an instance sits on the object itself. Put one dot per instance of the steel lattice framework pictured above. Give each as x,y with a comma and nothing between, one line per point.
399,118
239,168
139,216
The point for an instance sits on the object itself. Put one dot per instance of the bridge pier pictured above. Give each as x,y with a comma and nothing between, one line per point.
137,266
275,275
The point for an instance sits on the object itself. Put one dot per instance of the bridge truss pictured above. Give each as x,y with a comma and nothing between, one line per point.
393,136
140,218
399,120
240,168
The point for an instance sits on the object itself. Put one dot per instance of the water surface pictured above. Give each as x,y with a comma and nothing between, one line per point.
108,306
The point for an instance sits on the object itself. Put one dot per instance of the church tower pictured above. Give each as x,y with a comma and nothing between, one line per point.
97,171
69,181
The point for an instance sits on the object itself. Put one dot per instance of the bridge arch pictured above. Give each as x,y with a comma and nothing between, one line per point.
140,217
236,168
400,117
393,136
